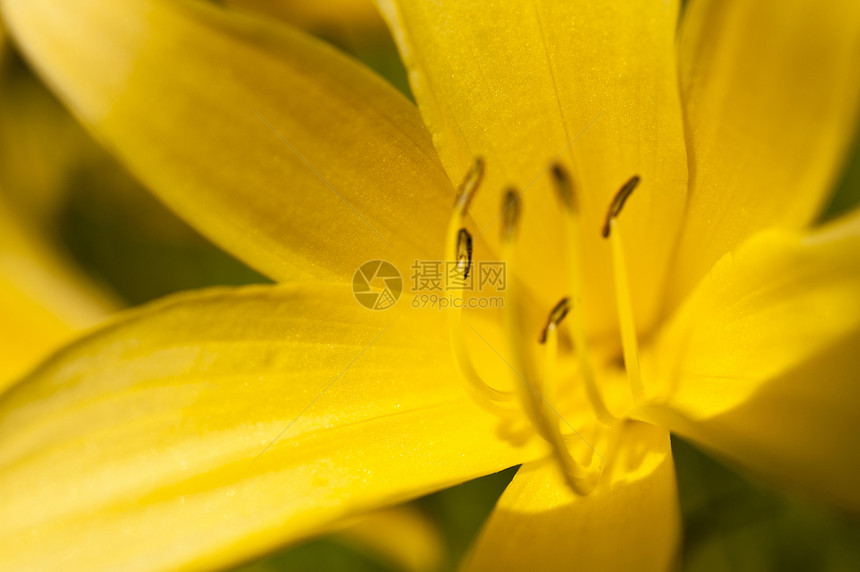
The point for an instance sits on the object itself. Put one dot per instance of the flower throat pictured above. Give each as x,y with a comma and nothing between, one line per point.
536,387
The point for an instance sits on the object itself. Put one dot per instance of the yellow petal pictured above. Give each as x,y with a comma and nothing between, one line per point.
282,151
215,426
761,362
771,96
403,536
333,15
42,146
43,300
591,84
631,521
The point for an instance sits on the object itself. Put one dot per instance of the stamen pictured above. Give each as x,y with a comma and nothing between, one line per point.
459,247
537,393
564,187
627,323
464,252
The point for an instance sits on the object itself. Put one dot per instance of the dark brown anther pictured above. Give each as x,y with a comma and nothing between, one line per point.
555,317
618,203
510,213
564,187
469,185
464,253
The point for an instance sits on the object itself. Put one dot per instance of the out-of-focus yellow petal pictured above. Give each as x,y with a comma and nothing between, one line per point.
243,418
282,151
43,147
30,330
402,536
43,301
339,15
591,84
761,362
631,521
771,97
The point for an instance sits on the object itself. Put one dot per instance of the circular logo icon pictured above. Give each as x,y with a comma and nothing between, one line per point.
377,285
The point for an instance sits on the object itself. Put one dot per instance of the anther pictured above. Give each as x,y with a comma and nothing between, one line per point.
464,252
510,213
555,317
564,187
618,203
468,186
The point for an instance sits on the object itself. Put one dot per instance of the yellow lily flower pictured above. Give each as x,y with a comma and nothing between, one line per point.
214,426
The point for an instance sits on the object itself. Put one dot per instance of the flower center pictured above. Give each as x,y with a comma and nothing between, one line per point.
535,387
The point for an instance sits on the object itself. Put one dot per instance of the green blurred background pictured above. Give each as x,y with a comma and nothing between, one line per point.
59,181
